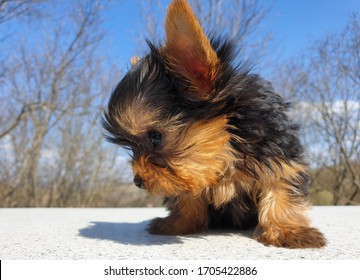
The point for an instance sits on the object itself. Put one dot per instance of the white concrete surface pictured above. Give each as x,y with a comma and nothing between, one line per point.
120,234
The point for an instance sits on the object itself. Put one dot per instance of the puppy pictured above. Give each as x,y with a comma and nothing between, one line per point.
211,138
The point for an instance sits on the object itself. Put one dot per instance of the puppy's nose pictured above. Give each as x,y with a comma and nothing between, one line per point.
138,181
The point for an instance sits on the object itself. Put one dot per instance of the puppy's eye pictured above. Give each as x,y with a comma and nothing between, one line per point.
155,138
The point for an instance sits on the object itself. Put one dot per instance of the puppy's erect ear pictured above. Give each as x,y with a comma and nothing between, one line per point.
189,51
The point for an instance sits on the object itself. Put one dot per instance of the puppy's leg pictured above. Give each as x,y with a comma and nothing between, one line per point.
187,215
282,217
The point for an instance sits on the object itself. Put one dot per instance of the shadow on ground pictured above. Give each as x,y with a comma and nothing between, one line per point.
126,233
136,234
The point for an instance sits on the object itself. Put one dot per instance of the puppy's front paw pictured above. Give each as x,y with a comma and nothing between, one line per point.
302,237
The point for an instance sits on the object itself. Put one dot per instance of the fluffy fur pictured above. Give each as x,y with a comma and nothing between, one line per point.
211,138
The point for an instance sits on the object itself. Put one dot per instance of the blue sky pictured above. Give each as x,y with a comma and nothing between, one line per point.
294,24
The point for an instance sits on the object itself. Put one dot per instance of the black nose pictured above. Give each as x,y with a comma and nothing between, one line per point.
138,181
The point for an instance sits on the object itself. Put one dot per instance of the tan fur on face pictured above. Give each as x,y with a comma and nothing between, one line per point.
197,159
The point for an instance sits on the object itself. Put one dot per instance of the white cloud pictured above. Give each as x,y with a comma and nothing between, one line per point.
306,110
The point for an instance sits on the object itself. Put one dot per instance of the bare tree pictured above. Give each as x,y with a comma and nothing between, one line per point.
15,9
53,153
325,83
18,10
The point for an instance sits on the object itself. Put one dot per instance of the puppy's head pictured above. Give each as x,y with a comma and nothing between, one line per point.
165,111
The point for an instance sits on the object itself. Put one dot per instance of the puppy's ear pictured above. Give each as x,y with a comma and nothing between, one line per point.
188,50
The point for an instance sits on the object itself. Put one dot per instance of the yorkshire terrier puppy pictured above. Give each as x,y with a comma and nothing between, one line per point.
211,138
